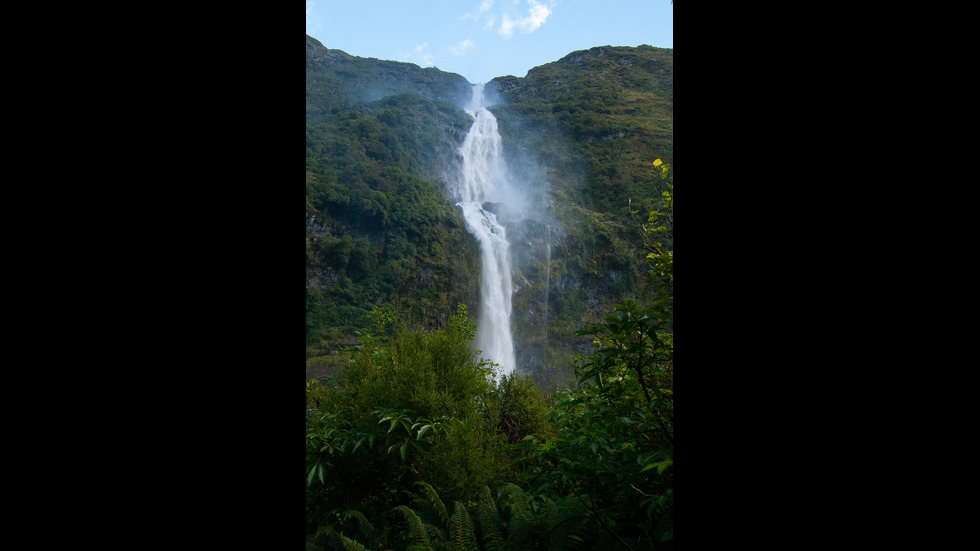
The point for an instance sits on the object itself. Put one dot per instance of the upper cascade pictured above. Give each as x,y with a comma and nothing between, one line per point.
484,178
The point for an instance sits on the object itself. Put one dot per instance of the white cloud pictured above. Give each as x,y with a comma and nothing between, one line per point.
536,16
484,7
505,27
461,48
312,20
418,55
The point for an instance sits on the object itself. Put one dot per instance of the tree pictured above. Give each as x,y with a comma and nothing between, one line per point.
411,406
613,450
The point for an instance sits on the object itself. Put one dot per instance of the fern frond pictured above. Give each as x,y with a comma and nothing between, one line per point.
437,504
363,524
524,536
327,535
549,513
416,528
352,545
568,526
461,529
490,524
520,507
436,534
487,497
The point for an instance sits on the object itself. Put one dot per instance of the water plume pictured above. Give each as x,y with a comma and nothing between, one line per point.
484,191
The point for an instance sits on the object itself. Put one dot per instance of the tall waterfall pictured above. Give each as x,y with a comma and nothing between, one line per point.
484,183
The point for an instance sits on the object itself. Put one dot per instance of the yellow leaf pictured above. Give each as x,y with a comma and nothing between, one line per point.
657,162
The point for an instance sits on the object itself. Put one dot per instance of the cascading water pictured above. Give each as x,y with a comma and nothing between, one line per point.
547,295
547,278
484,179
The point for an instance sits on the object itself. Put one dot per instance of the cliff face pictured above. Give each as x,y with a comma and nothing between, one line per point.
380,230
581,133
591,124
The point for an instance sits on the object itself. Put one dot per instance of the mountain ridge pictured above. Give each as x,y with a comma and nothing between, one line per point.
344,79
584,129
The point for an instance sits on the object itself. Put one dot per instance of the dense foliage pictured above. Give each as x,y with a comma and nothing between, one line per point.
596,117
592,120
381,138
613,449
414,446
413,406
379,226
413,441
336,80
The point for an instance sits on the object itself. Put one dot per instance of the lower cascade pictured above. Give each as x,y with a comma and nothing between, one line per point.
484,180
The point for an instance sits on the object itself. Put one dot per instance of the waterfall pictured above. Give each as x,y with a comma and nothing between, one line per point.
484,181
547,279
547,293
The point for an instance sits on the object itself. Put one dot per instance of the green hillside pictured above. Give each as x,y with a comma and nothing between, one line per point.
381,137
380,231
336,80
409,444
594,122
597,118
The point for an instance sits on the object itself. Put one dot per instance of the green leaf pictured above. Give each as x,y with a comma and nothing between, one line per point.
422,431
660,465
644,457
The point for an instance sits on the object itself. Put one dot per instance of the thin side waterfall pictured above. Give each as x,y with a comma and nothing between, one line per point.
483,181
547,293
547,279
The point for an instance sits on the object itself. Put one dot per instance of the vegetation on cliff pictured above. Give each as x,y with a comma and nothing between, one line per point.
408,444
411,447
381,137
379,227
593,121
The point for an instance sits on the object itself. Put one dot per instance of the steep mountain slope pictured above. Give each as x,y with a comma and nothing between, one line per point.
380,230
335,80
591,124
382,136
607,111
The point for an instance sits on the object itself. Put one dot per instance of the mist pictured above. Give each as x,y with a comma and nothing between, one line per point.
503,193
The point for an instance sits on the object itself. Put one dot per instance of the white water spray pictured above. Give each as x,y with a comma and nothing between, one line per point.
484,179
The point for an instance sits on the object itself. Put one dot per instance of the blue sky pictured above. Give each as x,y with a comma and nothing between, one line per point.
482,39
